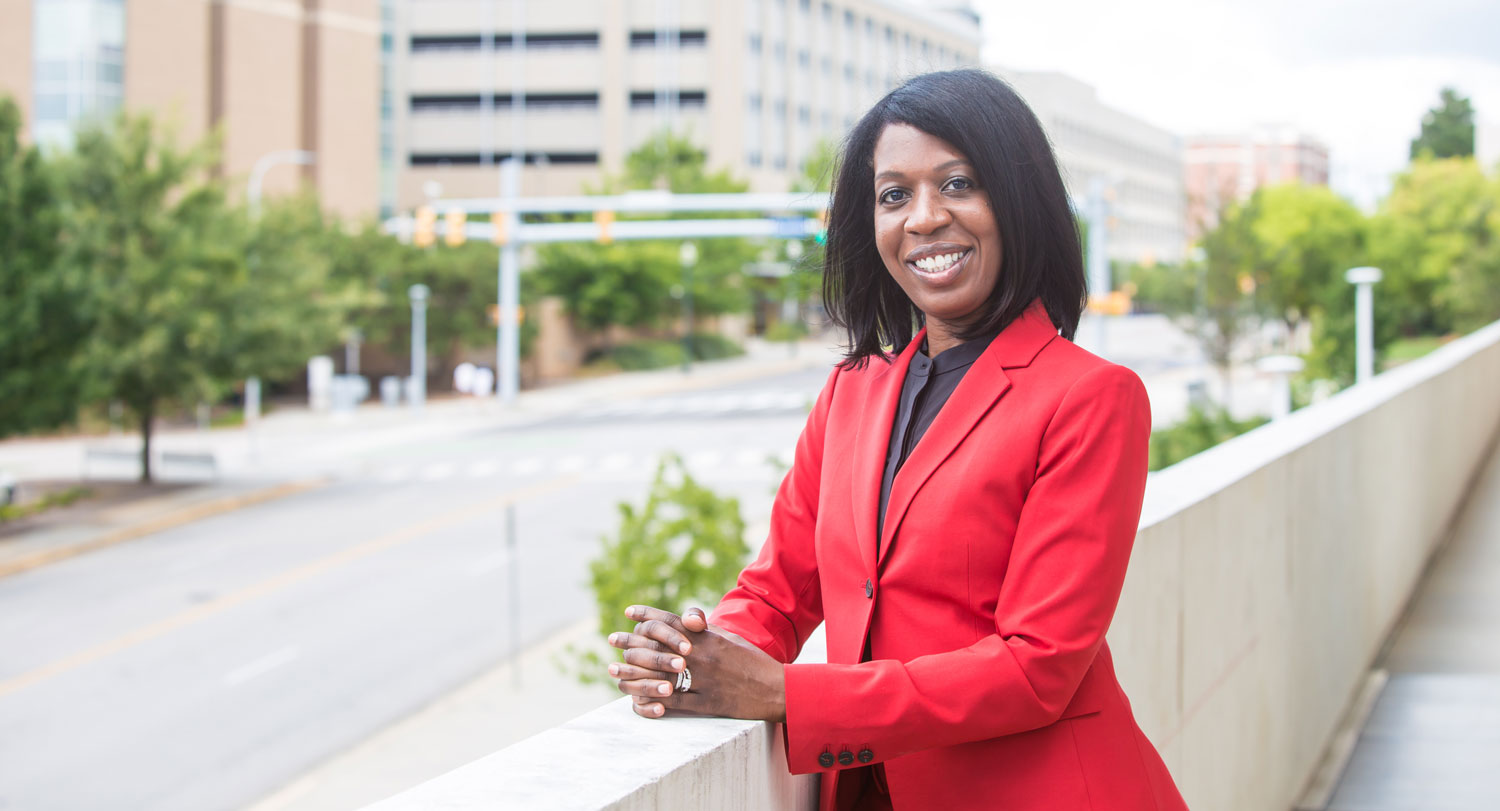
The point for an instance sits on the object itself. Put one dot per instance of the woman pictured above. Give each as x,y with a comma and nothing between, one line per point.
960,512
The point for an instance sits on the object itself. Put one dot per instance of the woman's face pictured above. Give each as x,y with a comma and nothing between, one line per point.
934,229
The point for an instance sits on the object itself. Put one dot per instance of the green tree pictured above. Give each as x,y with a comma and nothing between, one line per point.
1447,129
633,284
180,313
1305,238
44,305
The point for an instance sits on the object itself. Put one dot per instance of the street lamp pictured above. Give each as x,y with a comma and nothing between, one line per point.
689,256
300,157
418,395
1363,279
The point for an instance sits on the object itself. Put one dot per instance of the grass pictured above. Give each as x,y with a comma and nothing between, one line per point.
63,498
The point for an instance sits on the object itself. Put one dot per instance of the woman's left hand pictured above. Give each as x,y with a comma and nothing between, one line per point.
731,677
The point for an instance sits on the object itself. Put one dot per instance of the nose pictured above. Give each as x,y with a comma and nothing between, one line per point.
927,213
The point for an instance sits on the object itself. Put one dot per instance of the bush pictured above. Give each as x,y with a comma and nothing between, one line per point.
1201,430
654,353
684,547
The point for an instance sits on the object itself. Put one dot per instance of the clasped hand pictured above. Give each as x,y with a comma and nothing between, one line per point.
731,677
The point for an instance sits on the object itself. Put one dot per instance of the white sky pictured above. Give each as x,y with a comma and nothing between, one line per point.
1357,74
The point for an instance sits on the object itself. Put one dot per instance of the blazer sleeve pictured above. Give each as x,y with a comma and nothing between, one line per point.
777,602
1063,581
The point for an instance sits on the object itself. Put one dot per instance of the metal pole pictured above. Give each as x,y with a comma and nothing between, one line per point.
1098,261
1363,279
508,341
689,255
487,84
418,294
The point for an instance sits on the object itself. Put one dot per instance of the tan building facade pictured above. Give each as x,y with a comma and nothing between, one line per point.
756,83
1221,169
1136,165
270,75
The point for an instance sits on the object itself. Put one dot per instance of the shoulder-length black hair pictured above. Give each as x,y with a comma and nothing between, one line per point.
1041,255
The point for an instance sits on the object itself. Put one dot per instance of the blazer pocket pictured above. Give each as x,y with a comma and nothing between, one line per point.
1081,705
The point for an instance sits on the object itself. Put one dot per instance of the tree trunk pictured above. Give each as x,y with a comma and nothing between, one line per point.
148,415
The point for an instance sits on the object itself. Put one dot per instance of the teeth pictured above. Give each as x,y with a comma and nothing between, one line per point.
937,263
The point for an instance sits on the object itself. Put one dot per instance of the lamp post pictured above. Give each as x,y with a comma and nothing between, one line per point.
689,256
418,294
1364,280
300,157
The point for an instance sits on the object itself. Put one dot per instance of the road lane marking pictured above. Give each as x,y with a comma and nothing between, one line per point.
278,582
484,469
437,472
615,462
571,464
260,667
526,467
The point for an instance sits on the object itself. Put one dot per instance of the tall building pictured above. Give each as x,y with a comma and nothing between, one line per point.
272,76
1221,169
1138,166
576,86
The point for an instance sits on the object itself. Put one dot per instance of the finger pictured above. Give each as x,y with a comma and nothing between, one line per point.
620,670
651,660
649,710
694,620
646,688
663,626
625,641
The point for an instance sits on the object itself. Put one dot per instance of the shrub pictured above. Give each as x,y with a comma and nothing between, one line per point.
1200,430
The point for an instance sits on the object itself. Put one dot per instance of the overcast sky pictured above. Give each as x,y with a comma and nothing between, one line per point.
1357,74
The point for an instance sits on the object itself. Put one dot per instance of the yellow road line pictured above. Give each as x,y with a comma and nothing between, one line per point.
276,583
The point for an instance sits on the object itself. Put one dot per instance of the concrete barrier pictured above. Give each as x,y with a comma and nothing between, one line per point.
1266,574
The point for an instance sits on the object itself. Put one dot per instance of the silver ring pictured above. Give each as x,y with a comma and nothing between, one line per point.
685,680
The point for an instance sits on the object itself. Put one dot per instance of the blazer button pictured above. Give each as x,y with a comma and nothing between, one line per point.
865,756
846,757
869,589
825,760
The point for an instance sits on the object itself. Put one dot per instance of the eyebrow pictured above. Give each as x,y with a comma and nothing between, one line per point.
943,167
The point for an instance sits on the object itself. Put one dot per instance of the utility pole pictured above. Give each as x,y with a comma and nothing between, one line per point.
1364,280
418,294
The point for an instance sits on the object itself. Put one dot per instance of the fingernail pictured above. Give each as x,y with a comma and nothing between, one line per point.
663,689
676,664
613,638
614,670
658,710
685,647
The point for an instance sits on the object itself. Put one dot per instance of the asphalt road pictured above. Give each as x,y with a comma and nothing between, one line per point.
203,667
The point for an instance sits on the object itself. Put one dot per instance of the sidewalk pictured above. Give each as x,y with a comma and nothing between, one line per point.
1432,737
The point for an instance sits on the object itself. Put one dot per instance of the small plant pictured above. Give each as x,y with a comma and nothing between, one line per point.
684,547
1200,430
11,512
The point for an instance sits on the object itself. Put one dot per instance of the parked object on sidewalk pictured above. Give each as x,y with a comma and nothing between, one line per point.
198,461
7,488
320,383
390,391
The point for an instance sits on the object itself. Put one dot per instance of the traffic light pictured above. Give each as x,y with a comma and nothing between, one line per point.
454,223
425,221
822,236
498,236
605,219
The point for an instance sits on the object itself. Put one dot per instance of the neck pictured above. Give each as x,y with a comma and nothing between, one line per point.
940,337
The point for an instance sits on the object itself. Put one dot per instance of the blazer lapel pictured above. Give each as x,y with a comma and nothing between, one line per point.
870,445
983,385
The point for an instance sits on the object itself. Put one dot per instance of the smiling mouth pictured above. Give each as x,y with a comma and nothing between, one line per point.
939,266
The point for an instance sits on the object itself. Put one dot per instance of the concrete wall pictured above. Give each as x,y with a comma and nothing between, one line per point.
1265,576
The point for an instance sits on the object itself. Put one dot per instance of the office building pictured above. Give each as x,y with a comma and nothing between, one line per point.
1221,169
1136,165
272,76
575,87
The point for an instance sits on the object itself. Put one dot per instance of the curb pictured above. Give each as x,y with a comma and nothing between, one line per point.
161,523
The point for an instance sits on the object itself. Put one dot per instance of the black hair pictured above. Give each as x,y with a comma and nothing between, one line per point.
1041,254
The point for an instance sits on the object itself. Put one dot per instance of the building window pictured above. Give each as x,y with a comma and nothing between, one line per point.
473,158
685,39
471,102
804,115
473,42
696,99
804,60
753,158
755,44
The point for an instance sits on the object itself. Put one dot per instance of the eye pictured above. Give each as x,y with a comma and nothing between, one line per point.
892,196
959,184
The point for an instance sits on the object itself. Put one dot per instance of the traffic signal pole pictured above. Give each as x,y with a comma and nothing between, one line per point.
508,343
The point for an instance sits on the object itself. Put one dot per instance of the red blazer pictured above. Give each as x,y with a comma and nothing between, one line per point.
984,598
